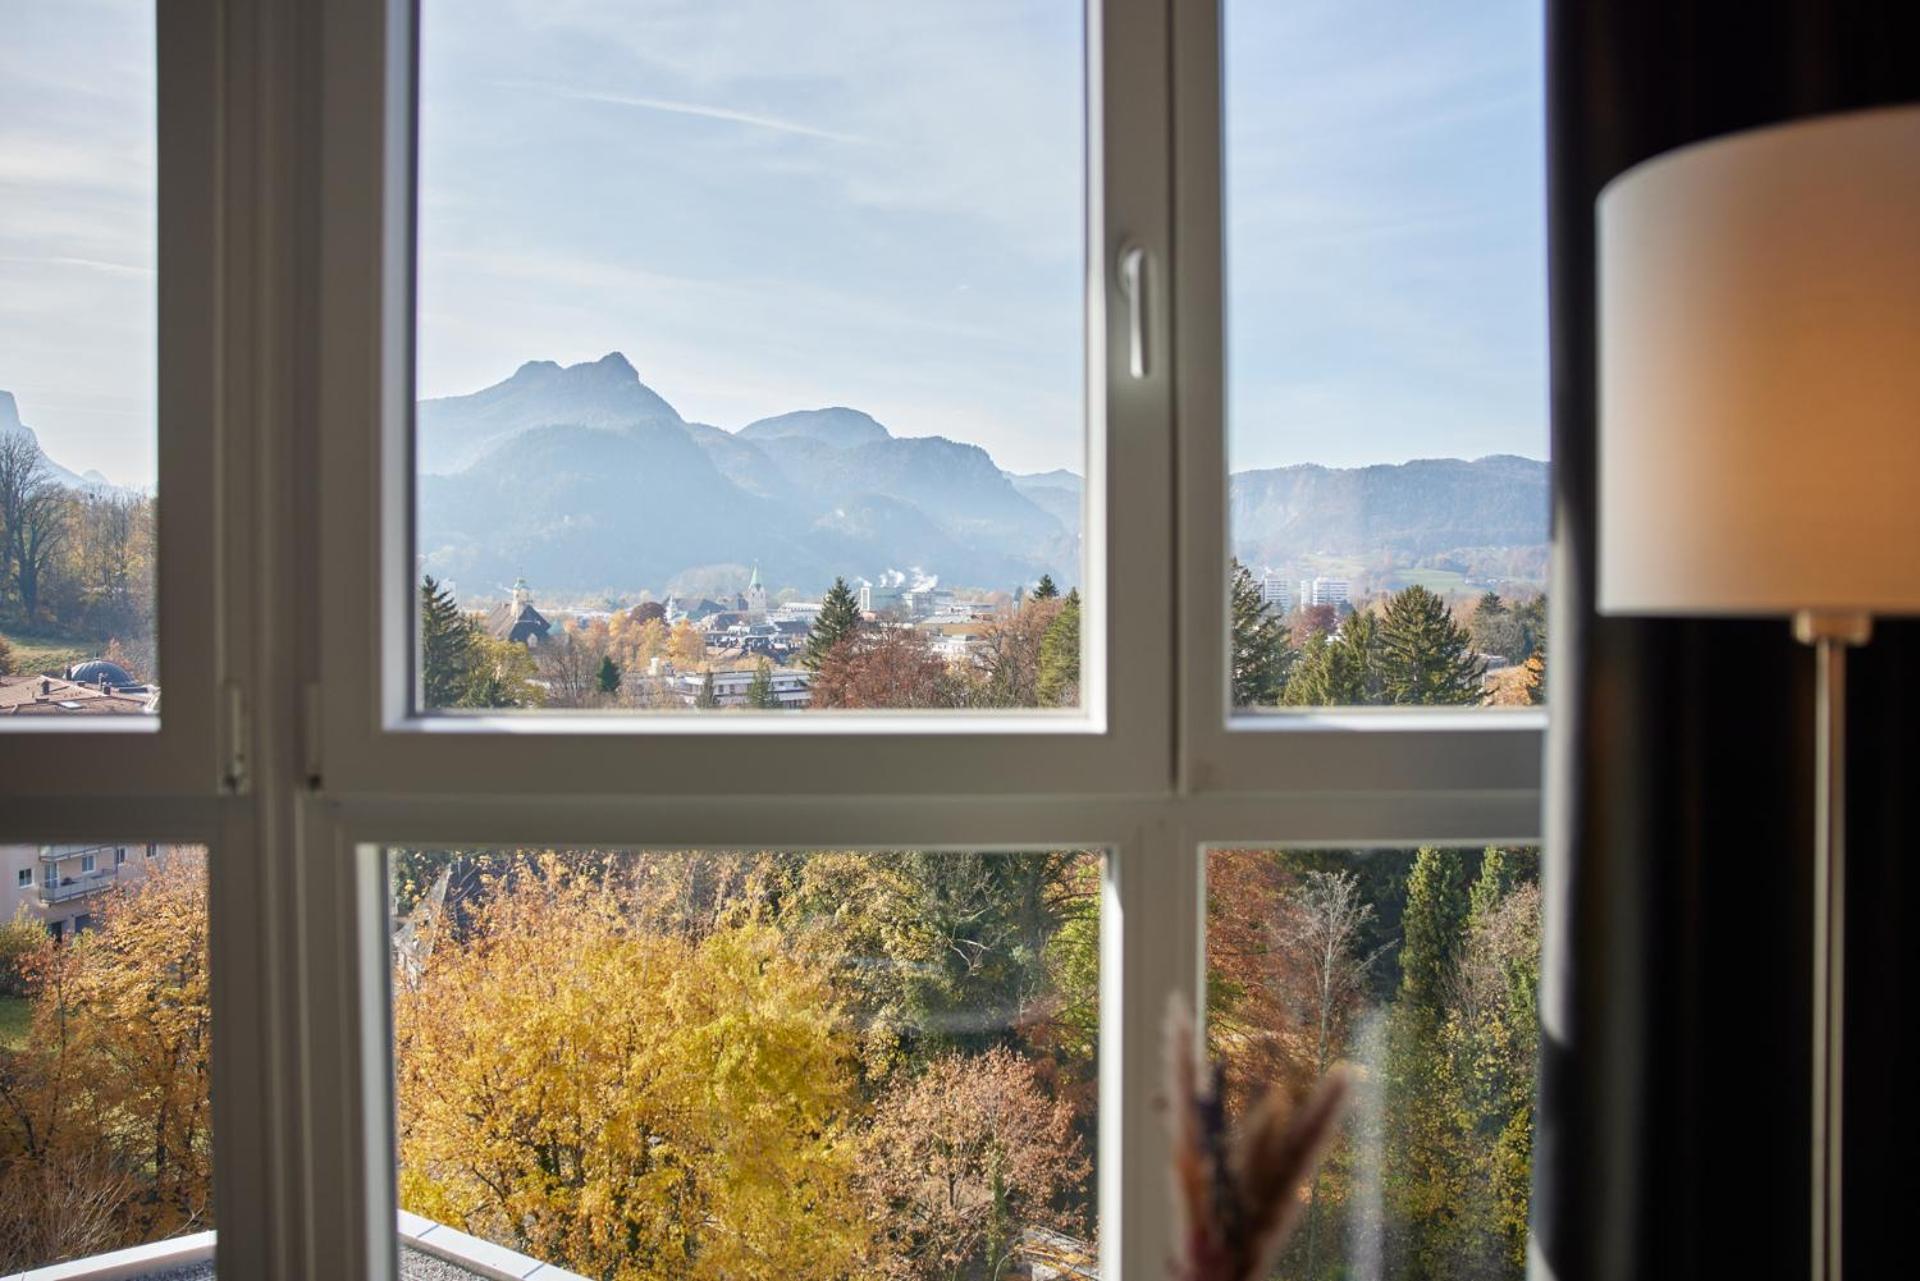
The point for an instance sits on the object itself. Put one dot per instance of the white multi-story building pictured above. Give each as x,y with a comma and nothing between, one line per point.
792,687
1276,593
1324,591
60,885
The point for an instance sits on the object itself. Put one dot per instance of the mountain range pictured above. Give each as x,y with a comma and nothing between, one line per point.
90,480
584,480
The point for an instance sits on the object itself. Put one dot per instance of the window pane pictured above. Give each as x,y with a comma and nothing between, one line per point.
104,1054
77,356
1386,352
726,1063
1420,969
750,355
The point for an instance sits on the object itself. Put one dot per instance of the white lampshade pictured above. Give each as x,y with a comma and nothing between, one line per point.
1760,373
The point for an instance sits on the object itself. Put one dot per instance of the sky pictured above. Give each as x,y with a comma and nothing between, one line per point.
770,205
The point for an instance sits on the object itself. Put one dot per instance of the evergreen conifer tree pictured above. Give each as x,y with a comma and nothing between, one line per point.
446,647
1059,680
839,618
1045,589
1262,651
607,680
760,688
706,696
1432,926
1425,655
1341,670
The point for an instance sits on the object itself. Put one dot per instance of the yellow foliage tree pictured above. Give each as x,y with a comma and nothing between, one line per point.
686,645
623,1103
105,1118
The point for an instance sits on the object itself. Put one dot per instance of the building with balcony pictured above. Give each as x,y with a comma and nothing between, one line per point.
60,885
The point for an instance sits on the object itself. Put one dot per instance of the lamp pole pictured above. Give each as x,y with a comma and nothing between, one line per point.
1830,634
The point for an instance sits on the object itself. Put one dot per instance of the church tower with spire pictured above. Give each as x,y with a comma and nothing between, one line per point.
755,596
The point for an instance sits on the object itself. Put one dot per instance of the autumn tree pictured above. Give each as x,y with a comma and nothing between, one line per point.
104,1118
1325,926
623,1103
686,646
1494,628
961,1158
887,665
1059,675
569,664
1005,661
501,673
33,517
838,619
1262,655
965,935
1425,656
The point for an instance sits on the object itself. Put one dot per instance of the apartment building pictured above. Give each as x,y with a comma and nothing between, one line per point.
61,885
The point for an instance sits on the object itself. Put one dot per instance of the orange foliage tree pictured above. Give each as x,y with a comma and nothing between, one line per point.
964,1158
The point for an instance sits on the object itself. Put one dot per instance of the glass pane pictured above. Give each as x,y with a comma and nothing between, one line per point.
750,355
748,1064
1386,353
104,1054
1420,969
77,357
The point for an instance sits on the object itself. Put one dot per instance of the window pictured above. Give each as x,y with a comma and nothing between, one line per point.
105,1021
803,426
1386,405
25,877
120,856
845,1062
86,862
1420,969
357,238
78,330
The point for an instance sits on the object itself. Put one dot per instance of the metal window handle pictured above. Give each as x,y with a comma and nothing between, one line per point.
1133,283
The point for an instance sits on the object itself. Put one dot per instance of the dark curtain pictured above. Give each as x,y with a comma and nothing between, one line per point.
1673,1128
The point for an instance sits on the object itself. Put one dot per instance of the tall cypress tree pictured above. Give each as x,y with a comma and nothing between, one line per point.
446,647
760,688
839,618
1425,656
607,679
1262,651
706,697
1432,927
1059,680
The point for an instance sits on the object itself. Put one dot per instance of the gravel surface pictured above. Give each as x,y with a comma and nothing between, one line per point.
414,1266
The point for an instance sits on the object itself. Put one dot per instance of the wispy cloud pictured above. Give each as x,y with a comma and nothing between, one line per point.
702,111
88,264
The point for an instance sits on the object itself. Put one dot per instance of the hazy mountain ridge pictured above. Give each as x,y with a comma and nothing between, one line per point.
90,480
585,480
1414,511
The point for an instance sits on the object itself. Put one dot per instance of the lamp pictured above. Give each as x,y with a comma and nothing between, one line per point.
1760,440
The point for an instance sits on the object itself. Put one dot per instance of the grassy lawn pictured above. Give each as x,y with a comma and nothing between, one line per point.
15,1015
35,652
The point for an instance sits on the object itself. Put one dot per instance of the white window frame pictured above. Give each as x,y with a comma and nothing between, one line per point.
370,738
174,752
286,383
